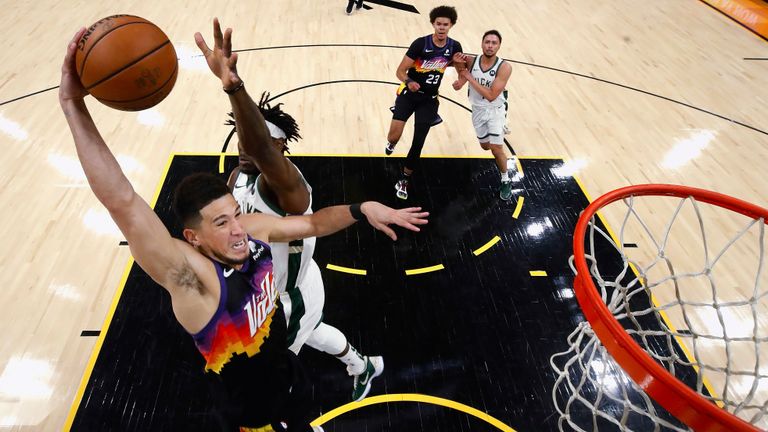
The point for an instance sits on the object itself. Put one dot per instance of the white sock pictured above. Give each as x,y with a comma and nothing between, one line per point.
354,361
505,176
329,339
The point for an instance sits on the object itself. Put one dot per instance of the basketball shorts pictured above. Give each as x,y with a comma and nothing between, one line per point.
262,401
489,123
423,105
303,307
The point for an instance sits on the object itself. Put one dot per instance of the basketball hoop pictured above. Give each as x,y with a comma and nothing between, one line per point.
651,355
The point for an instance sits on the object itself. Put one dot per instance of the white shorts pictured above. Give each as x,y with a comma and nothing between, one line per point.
489,123
313,299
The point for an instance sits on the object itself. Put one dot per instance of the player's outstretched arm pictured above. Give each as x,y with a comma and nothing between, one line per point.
332,219
280,175
152,246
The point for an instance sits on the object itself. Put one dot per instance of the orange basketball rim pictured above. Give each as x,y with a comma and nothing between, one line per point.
676,397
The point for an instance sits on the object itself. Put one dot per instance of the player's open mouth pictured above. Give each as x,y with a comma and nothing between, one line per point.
239,245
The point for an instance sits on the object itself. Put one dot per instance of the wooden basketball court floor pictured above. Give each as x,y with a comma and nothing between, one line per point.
666,92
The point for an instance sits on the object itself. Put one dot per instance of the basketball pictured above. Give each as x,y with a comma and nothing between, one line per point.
126,62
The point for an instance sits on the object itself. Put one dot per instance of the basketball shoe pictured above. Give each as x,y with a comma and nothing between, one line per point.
374,366
349,6
505,192
402,189
389,148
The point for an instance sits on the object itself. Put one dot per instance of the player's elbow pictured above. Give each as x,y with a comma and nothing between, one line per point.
118,199
493,95
293,199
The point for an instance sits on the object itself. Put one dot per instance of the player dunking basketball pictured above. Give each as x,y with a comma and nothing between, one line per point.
220,277
267,182
421,72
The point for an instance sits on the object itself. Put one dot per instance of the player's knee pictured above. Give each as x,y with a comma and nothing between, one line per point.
485,146
327,339
317,338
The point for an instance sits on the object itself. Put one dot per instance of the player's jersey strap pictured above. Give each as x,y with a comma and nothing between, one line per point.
275,207
486,79
267,428
251,199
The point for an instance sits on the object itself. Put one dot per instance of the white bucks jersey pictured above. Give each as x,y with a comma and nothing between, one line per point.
485,78
290,260
297,276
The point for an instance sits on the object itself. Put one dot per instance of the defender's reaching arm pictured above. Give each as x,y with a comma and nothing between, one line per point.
278,172
329,220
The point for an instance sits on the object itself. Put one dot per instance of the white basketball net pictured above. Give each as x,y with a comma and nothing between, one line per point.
724,332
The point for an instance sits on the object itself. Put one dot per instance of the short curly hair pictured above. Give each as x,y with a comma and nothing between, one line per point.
443,12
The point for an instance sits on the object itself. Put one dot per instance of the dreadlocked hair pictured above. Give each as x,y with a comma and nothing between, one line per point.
276,116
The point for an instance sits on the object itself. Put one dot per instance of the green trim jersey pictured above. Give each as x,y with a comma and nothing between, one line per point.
485,78
297,276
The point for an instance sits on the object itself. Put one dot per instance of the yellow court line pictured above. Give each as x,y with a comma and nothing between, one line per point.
412,397
97,348
371,155
518,208
584,190
110,314
540,157
424,270
487,246
385,156
350,155
538,273
346,270
664,316
519,166
221,162
159,186
434,156
182,153
684,347
343,155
